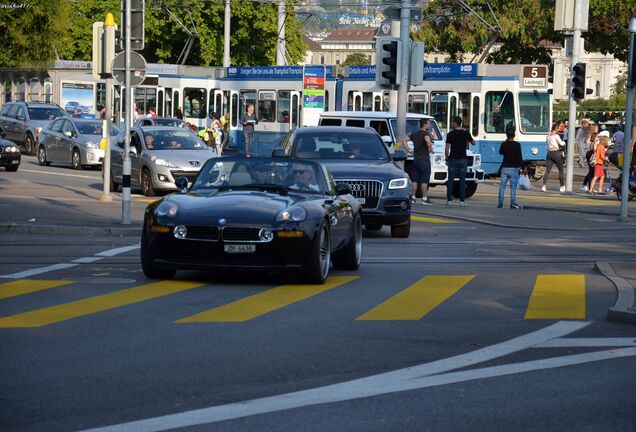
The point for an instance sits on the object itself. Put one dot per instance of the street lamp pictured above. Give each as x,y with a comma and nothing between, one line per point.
631,81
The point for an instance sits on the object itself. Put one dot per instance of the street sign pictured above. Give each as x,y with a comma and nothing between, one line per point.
137,68
393,13
385,28
535,76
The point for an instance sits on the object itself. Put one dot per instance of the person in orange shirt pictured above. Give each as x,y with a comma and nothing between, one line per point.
600,158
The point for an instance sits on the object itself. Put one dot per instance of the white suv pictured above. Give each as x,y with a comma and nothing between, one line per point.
385,123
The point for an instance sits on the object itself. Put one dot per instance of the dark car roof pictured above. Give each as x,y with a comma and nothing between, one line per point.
349,129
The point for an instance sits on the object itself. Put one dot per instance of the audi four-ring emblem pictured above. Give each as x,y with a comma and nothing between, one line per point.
356,188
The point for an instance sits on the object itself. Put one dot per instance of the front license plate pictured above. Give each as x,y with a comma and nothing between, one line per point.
240,248
15,161
362,201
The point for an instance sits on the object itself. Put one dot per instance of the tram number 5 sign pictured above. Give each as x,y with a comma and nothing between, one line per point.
535,76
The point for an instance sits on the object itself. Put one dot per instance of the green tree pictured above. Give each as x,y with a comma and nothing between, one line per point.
620,86
35,34
356,59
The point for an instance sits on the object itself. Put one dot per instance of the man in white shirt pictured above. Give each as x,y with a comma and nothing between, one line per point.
581,141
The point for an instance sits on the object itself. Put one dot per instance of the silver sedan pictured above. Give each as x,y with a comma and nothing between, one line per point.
72,140
158,156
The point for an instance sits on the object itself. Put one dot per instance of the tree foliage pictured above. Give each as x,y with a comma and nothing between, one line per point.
357,59
524,26
63,29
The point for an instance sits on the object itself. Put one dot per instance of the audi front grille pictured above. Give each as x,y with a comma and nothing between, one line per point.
370,190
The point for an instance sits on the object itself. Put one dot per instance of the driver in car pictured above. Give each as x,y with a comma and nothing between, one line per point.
304,178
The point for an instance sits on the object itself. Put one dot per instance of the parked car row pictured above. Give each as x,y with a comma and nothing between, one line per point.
22,122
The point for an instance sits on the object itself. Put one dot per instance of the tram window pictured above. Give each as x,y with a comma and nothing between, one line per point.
218,103
48,90
534,110
499,111
266,106
439,108
235,110
284,97
211,99
417,103
326,100
194,102
475,116
167,107
355,123
377,103
100,97
145,98
160,104
380,126
367,101
176,106
463,108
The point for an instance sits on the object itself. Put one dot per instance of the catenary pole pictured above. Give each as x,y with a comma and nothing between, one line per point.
226,34
576,55
629,117
280,39
106,197
125,191
405,16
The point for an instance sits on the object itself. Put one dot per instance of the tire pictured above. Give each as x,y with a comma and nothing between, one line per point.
13,168
373,227
29,145
76,160
318,270
402,230
149,268
349,257
471,188
42,156
146,183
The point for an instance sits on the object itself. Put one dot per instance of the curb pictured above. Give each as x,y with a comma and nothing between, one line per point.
624,310
70,230
574,210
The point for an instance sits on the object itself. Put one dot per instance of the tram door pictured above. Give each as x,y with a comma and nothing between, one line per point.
444,105
294,111
217,104
377,102
355,102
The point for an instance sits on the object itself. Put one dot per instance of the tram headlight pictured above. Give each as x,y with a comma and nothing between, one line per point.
534,151
476,161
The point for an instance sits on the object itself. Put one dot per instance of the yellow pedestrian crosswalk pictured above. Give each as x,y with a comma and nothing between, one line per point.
551,297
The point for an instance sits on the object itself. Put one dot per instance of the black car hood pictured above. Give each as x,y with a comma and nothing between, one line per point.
239,207
374,170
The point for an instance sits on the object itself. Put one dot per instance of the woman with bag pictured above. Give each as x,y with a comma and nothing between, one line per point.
555,157
599,172
510,166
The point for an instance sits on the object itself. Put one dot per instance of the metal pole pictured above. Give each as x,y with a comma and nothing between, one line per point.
576,53
280,41
393,94
226,35
405,16
106,196
125,191
629,109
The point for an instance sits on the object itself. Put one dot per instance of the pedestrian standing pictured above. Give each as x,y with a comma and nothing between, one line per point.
152,112
619,140
225,125
600,158
422,147
555,146
248,120
457,142
591,162
510,166
179,113
581,140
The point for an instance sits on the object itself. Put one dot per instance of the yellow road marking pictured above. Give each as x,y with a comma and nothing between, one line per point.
27,286
418,299
262,303
66,311
432,220
557,297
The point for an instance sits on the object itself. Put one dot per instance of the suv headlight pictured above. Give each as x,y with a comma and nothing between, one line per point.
477,161
295,214
167,209
439,160
399,183
92,145
162,162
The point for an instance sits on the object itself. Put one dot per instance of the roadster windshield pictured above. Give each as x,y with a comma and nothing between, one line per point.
244,173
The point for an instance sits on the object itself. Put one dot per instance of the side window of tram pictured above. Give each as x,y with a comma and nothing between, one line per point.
439,108
499,112
194,102
267,106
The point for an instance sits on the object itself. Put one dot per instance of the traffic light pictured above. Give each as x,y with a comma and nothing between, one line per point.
416,73
137,32
387,62
578,82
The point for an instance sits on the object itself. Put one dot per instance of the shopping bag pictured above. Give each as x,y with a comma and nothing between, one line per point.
524,182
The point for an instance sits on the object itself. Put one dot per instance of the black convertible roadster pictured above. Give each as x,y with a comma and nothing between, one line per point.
254,213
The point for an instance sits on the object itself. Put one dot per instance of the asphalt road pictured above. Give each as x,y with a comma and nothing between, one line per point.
463,326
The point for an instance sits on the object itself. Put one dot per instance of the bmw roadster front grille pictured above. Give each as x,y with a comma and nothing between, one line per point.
228,234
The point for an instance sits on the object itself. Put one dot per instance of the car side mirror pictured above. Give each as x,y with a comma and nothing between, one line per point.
279,153
21,117
132,151
182,184
343,189
386,139
399,155
68,133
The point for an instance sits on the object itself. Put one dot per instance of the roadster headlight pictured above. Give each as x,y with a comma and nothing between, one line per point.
167,209
295,214
11,149
399,183
162,162
439,160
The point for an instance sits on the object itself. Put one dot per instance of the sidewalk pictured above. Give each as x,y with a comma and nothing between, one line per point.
623,276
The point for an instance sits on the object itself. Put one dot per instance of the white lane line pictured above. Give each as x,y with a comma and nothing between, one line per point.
404,379
587,343
37,271
61,174
75,262
121,250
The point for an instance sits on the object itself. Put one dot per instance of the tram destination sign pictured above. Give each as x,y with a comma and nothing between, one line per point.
534,76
